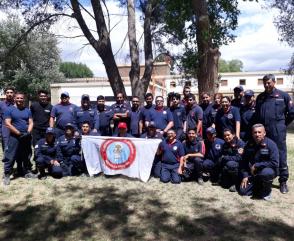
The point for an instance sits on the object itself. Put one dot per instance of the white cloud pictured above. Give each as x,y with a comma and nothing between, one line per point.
257,43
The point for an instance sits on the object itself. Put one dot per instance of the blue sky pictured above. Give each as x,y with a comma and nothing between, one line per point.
256,45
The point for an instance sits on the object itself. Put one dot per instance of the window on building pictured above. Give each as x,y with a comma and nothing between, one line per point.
224,82
280,81
188,83
242,82
260,82
172,84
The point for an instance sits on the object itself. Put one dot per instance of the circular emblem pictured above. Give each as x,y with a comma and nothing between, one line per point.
164,112
118,154
217,146
175,148
230,116
178,113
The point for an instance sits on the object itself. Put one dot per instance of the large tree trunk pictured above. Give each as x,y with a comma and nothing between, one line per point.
140,86
103,45
208,56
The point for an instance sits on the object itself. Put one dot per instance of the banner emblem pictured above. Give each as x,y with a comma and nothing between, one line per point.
118,154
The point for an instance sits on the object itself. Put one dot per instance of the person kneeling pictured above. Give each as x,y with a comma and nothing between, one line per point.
46,155
259,165
172,161
194,150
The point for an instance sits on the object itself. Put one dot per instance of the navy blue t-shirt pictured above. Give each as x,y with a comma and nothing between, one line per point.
213,150
64,114
161,117
19,117
226,120
179,116
82,115
171,153
193,116
134,126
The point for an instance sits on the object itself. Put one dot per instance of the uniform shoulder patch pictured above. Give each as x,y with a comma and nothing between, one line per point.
240,151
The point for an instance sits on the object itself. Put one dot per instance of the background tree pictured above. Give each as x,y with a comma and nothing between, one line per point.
34,64
201,27
234,65
285,24
75,70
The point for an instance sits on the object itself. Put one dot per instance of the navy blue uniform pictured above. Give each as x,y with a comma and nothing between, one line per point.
134,126
229,162
122,109
4,130
265,158
41,116
212,114
247,113
275,111
194,165
171,154
226,120
193,115
44,154
144,115
179,118
238,103
213,152
64,114
82,115
156,167
18,147
103,123
161,117
69,155
206,122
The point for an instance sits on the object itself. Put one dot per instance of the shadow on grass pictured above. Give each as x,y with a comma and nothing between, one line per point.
130,215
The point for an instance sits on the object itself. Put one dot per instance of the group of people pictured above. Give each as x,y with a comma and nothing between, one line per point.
239,144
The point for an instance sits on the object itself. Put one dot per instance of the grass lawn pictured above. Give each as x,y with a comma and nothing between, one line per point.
118,208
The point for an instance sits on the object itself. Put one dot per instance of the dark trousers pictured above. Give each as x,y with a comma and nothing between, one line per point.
229,174
54,171
193,169
259,185
277,132
212,168
73,166
19,150
4,142
156,167
37,135
169,173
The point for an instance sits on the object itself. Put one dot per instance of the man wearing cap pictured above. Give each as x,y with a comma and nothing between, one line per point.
247,112
213,152
122,130
86,113
121,111
161,116
69,152
18,120
104,115
151,133
46,155
238,96
9,101
275,110
64,113
259,165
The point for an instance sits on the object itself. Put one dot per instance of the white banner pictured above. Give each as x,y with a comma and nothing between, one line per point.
132,157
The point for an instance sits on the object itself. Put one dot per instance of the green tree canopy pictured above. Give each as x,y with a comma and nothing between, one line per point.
34,64
75,70
234,65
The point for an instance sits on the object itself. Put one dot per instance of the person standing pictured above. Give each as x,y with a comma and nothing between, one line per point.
135,116
194,115
41,115
274,109
19,121
64,113
9,101
179,116
104,115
